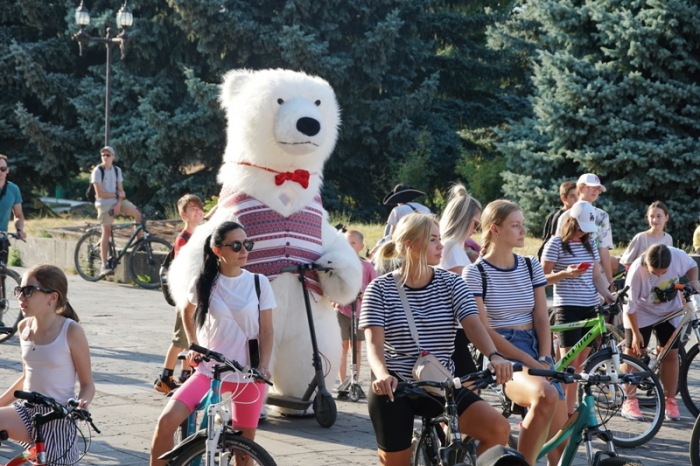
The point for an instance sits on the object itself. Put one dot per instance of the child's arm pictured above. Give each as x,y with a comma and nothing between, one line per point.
80,352
8,397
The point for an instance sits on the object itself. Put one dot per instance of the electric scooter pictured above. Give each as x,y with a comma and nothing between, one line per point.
350,388
324,407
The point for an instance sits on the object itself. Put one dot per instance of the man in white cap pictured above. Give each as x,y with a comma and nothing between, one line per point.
589,188
110,201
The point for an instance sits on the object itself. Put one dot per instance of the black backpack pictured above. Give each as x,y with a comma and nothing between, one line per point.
165,286
90,193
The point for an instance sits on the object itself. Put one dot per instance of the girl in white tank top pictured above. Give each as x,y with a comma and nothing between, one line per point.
55,353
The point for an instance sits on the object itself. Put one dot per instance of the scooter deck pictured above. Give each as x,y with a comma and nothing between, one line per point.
288,402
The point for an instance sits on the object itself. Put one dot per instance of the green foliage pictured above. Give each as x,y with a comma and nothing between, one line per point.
616,94
13,258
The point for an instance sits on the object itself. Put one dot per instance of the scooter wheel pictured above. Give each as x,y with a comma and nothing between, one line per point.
325,410
354,392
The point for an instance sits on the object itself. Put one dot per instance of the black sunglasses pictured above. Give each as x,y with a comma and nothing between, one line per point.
237,245
4,169
28,290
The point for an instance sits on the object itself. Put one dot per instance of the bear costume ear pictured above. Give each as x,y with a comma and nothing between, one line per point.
232,83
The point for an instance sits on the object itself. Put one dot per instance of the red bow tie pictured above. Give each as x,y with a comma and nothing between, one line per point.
299,176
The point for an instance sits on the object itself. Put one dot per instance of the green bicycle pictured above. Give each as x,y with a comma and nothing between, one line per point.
143,262
583,425
607,361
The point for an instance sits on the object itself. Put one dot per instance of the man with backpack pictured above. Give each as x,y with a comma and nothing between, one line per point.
107,192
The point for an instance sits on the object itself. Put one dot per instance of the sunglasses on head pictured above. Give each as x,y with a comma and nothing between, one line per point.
28,290
237,245
4,169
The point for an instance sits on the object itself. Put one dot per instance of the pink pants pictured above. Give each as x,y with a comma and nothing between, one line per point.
247,402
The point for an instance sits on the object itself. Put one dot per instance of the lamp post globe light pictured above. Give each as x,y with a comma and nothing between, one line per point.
125,19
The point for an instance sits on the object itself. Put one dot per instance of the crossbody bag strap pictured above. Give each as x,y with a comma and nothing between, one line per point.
257,288
406,307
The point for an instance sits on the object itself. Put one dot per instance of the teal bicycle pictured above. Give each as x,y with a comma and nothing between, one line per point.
583,425
216,443
143,262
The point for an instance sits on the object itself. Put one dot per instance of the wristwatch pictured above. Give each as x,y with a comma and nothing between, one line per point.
494,353
545,359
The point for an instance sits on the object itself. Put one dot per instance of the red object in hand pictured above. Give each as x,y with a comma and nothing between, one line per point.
583,266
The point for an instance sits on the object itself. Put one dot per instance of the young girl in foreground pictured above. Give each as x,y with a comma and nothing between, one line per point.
54,351
224,308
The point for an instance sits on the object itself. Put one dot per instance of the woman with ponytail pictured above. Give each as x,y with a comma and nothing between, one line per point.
223,314
54,351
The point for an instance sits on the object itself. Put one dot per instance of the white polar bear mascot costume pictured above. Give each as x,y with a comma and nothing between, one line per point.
282,127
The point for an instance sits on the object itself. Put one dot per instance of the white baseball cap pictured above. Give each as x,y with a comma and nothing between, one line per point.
584,213
108,149
589,179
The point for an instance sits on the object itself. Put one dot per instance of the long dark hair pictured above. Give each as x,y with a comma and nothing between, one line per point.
568,230
210,270
53,278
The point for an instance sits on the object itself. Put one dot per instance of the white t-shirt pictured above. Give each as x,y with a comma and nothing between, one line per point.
455,256
603,237
233,318
579,291
644,301
113,175
400,211
640,243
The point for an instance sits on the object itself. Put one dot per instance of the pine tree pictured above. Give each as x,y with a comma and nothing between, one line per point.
616,94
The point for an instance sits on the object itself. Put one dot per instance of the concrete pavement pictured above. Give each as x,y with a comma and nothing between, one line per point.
129,330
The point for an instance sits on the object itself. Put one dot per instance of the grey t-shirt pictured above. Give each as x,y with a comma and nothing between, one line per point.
113,175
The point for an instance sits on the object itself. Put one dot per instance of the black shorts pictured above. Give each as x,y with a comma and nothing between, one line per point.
393,422
462,357
663,333
567,315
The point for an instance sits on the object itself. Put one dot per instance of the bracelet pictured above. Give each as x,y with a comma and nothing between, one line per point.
494,353
545,359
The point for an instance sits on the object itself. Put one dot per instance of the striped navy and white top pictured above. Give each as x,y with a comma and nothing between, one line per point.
437,310
572,291
510,299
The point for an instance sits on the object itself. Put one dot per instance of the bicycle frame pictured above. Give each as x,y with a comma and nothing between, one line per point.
582,423
130,241
690,317
597,326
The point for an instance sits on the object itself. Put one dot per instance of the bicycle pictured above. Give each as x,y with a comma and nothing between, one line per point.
10,315
607,360
146,255
583,425
36,455
435,446
216,442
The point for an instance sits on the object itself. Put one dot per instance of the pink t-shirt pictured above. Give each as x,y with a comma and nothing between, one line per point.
368,274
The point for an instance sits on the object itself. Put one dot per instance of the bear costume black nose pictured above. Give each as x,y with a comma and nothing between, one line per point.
308,126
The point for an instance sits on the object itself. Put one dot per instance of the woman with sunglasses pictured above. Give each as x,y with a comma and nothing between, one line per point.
54,351
223,314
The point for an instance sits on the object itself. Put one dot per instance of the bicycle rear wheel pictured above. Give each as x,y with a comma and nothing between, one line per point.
87,257
695,444
10,315
145,259
238,448
689,380
626,433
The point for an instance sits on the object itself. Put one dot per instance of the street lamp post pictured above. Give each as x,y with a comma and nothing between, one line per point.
125,19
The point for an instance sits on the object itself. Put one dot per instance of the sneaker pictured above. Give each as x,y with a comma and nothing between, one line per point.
106,270
630,410
165,385
263,415
672,413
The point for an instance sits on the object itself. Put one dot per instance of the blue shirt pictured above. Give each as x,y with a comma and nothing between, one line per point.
11,198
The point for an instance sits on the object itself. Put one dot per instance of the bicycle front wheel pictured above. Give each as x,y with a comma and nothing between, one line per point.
609,399
145,259
239,449
425,449
695,444
689,381
87,257
10,313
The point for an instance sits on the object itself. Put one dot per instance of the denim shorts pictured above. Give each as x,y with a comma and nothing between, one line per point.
526,340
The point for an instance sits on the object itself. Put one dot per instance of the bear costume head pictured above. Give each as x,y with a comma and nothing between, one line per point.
279,120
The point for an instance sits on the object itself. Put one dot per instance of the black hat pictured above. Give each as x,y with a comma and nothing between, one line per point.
402,194
501,456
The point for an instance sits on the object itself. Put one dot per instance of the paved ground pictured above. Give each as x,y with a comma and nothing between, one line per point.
129,330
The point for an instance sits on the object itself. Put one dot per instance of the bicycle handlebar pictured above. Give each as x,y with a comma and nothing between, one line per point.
483,379
306,268
4,330
590,379
71,411
613,308
7,234
208,355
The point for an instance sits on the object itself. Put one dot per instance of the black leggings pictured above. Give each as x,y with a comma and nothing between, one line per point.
393,421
